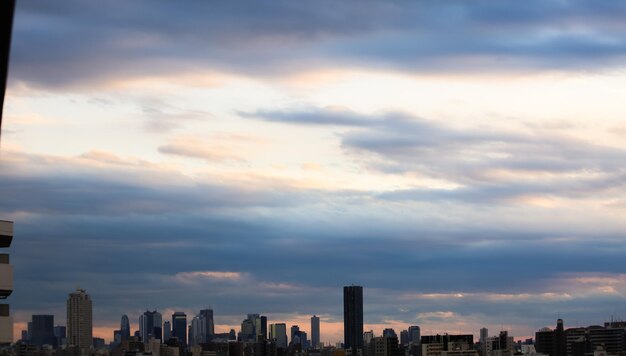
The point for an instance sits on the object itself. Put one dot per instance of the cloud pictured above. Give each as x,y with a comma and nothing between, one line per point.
283,252
481,165
75,43
196,148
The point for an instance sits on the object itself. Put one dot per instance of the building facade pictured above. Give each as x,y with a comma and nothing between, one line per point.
79,320
315,332
278,333
353,318
6,282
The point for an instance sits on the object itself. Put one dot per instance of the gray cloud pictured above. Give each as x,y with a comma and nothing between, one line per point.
294,250
399,143
77,42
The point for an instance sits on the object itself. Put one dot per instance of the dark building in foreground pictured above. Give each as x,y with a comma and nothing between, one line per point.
353,318
43,330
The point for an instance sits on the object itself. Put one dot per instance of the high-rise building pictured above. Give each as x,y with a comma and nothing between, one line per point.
167,331
315,331
484,334
6,270
368,336
262,334
404,337
79,320
197,330
353,318
295,332
414,334
560,348
151,325
60,334
304,341
278,332
125,328
388,332
179,327
43,330
209,325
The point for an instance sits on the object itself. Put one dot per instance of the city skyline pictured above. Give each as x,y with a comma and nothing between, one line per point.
464,162
353,295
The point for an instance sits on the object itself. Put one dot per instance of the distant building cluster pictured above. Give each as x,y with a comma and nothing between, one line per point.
195,336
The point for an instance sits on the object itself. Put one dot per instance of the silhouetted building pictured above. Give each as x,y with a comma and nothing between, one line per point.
388,332
414,334
79,320
315,331
60,335
179,327
43,330
545,342
560,347
125,328
98,343
404,337
586,340
353,318
167,331
278,332
209,325
151,325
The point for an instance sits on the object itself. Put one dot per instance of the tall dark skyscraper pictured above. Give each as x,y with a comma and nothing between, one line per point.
353,318
209,326
151,325
167,331
560,348
43,330
315,331
179,327
125,327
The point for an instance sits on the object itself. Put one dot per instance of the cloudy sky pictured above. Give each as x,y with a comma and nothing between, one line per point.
463,161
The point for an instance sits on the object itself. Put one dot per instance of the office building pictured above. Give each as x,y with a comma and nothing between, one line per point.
501,345
197,330
315,332
295,335
262,335
388,332
125,328
414,334
79,320
404,337
209,325
6,280
484,334
383,346
167,331
581,341
278,333
43,330
150,325
545,341
353,318
60,335
179,327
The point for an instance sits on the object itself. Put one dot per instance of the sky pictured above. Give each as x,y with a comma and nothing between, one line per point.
462,161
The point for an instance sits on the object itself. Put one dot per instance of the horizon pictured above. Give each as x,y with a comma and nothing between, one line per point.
463,162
